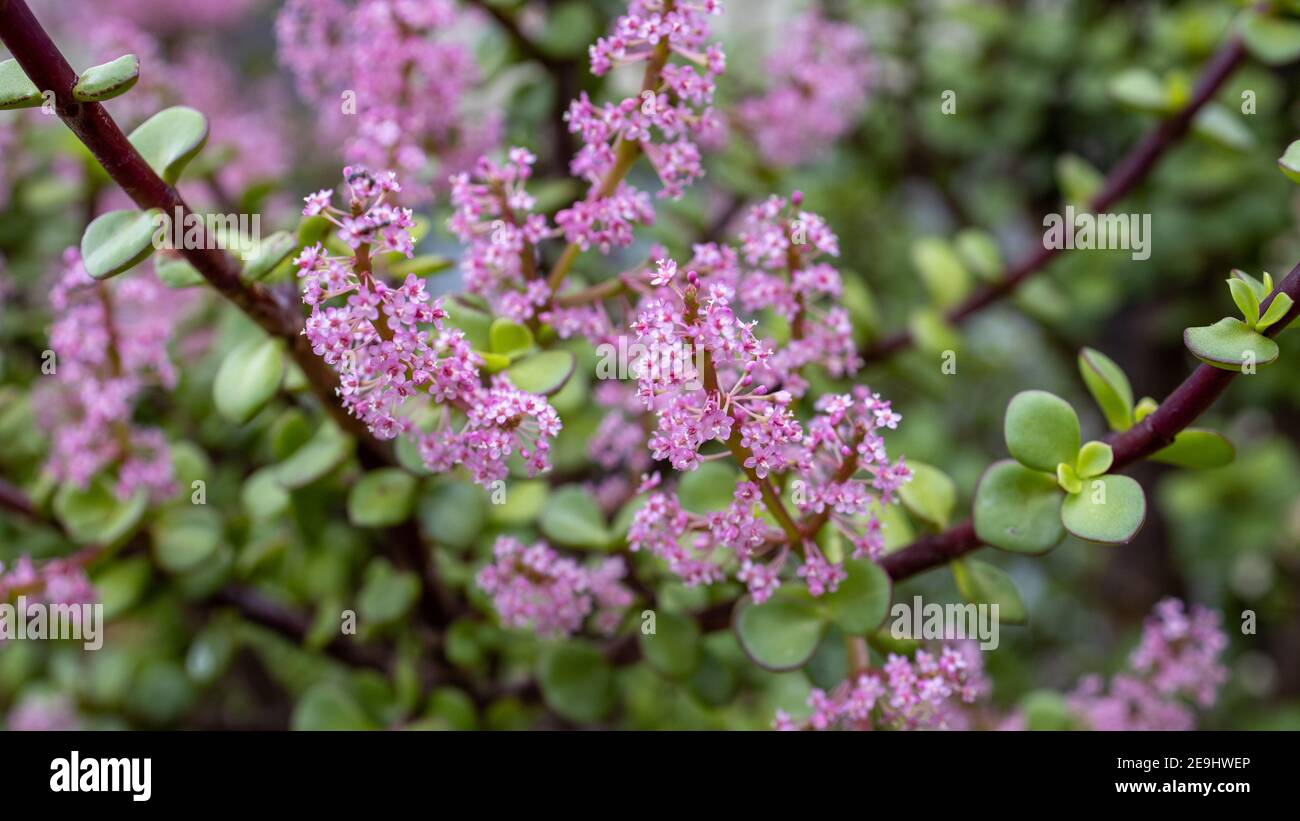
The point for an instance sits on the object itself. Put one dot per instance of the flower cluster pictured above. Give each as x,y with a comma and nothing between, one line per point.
376,340
109,341
664,121
1175,663
390,77
821,75
924,693
58,581
534,588
728,387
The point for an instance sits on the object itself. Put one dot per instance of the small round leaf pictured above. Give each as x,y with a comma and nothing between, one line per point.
982,583
106,81
1042,430
1018,509
248,378
576,681
382,498
170,139
176,272
16,90
269,253
544,373
674,647
930,495
572,518
1110,510
861,602
117,241
1198,449
1229,344
1109,386
509,338
783,632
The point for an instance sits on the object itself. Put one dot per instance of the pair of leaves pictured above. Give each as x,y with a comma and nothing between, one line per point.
784,632
1053,485
509,346
96,84
119,240
1236,344
1195,448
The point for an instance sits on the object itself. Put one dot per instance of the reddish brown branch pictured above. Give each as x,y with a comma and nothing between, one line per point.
1182,407
1131,170
45,65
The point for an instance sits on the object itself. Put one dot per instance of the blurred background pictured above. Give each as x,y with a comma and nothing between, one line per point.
1037,118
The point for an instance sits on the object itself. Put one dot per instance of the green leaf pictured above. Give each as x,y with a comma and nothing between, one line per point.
1270,39
1140,90
475,323
1109,386
1289,162
1067,478
117,241
104,82
1228,344
577,681
932,332
573,518
382,498
1110,510
523,503
16,90
674,648
328,706
326,449
861,602
422,266
94,514
982,583
184,537
1077,179
1261,288
544,373
248,378
979,250
494,362
454,513
931,495
783,632
1046,710
1224,128
268,254
509,339
176,272
942,271
1018,509
1041,430
386,596
1197,449
1277,309
1247,302
263,496
1095,458
710,487
170,139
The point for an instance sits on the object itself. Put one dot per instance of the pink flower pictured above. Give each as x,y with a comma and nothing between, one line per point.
534,588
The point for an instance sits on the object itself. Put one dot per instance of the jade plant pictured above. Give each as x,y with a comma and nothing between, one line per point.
380,447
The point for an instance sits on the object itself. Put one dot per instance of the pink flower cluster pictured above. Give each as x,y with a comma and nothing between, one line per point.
534,588
1175,665
110,343
721,385
384,361
493,219
389,78
673,110
924,693
821,75
57,581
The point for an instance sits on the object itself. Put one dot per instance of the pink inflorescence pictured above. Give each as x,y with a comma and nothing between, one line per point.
389,77
385,358
109,341
927,692
57,581
664,121
1174,667
709,379
535,588
821,76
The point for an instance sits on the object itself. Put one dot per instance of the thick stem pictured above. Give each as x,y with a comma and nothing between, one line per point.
1182,407
1130,171
45,65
